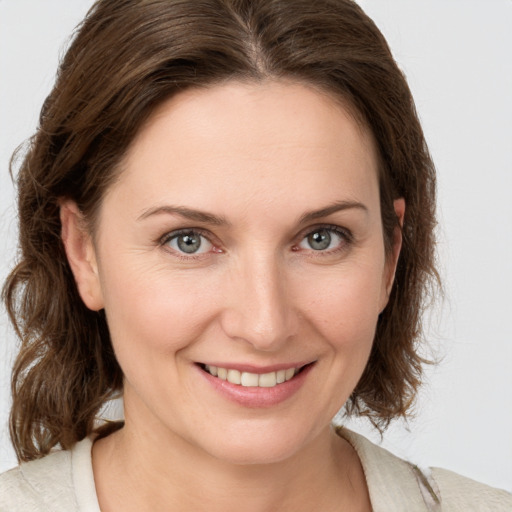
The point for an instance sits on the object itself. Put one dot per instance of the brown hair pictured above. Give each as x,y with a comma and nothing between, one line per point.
127,57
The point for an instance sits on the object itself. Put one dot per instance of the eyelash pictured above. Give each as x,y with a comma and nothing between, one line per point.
164,241
342,233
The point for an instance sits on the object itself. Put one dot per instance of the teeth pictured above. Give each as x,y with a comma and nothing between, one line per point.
289,373
249,379
234,377
268,380
262,380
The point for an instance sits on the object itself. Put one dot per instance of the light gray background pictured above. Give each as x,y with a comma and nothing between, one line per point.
456,55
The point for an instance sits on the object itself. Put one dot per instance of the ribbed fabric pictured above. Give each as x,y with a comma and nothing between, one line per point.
63,482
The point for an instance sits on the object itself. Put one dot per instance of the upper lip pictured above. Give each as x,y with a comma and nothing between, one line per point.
250,368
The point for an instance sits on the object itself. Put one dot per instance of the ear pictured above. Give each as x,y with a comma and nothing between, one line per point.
81,254
392,258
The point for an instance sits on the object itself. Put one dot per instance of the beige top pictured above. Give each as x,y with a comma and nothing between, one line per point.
63,482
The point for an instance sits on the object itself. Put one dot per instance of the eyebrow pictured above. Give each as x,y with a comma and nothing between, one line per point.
333,208
210,218
187,213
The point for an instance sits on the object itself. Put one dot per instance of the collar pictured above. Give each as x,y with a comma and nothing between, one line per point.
393,483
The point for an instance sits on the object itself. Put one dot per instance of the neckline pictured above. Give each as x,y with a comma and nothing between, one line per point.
391,481
83,476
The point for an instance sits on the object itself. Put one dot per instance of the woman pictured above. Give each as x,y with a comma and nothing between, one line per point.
233,207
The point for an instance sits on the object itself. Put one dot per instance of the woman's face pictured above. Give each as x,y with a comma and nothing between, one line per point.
243,241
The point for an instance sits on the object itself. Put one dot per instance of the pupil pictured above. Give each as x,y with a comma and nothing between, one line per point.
319,240
189,243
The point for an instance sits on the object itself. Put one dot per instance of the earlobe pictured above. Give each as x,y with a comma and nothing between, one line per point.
81,254
392,258
399,205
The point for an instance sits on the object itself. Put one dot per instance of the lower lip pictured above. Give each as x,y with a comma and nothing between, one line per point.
256,397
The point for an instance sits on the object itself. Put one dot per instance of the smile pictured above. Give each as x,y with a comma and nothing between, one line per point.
248,379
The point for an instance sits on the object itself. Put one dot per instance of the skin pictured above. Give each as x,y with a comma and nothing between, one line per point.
258,157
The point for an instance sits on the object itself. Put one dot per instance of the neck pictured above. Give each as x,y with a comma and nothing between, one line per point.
165,472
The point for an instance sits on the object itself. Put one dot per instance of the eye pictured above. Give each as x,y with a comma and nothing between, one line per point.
188,242
324,239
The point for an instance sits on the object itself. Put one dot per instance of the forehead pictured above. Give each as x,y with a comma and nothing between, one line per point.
265,141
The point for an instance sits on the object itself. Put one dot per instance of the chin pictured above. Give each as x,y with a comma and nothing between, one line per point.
255,445
255,454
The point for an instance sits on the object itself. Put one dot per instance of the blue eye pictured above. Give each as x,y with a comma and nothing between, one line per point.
323,239
189,242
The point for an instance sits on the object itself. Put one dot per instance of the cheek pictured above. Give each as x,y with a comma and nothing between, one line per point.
340,311
345,302
154,312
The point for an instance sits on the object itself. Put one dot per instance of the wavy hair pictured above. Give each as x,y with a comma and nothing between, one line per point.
126,58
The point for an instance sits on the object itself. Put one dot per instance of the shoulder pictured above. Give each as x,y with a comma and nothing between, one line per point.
38,485
46,484
396,484
459,493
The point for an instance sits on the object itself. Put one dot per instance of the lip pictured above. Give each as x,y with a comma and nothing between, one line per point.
256,397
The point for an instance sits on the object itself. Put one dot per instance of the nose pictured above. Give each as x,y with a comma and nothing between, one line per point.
259,310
